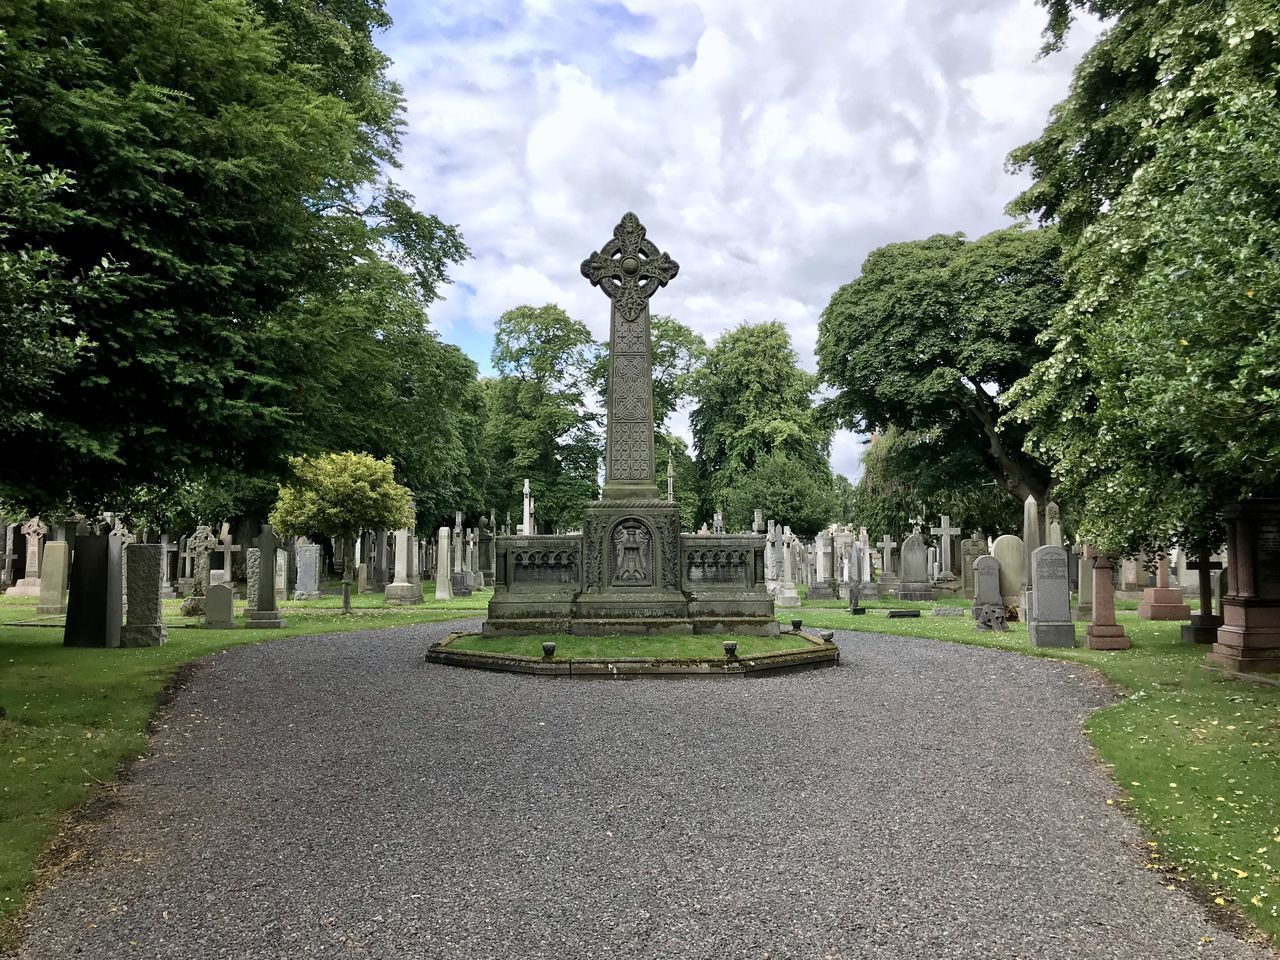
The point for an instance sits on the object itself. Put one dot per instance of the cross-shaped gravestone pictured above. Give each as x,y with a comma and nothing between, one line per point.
7,555
946,532
886,554
201,544
629,269
226,548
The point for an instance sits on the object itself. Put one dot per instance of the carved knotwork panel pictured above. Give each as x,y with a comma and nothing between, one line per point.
630,450
631,554
632,389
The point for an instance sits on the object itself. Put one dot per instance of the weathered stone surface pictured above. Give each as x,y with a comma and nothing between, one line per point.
53,579
915,583
1050,584
144,626
988,598
307,586
34,531
401,591
1249,638
218,608
253,557
1163,602
267,613
1103,632
95,602
1008,550
970,550
444,589
199,546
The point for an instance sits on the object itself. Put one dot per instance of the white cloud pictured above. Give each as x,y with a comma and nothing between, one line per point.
767,146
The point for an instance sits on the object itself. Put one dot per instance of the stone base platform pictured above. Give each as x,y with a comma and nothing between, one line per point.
817,654
1163,603
1203,628
1249,640
24,588
400,594
922,592
263,619
1106,638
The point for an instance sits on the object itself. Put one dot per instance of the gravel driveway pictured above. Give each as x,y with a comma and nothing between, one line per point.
339,797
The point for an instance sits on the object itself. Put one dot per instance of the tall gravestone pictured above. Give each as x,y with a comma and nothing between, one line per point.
200,546
1050,583
888,569
1249,638
1103,633
307,586
970,550
253,559
267,614
53,579
1031,541
915,583
946,555
788,595
988,602
95,604
144,624
401,590
1204,624
33,532
1008,550
1084,602
444,589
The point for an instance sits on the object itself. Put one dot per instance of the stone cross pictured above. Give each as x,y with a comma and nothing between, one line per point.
629,269
946,532
7,556
717,522
886,554
227,549
757,522
457,541
35,531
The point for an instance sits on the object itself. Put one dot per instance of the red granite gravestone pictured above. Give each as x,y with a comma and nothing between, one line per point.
1163,602
1249,638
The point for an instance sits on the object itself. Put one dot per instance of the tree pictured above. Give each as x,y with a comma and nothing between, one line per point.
917,475
678,353
541,426
226,164
754,401
338,495
931,336
688,493
1159,400
786,490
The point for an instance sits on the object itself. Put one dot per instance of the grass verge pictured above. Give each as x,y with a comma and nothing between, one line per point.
71,717
1196,757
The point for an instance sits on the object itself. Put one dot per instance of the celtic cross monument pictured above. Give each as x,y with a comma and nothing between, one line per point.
629,269
630,570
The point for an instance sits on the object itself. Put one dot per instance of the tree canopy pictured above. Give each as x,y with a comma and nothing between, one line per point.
931,336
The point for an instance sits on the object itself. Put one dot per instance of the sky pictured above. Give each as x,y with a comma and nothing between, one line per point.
767,145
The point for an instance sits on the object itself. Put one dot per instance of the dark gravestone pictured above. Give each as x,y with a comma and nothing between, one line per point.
899,614
95,606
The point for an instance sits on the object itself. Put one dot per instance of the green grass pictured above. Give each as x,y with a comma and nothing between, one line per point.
73,716
678,647
1196,757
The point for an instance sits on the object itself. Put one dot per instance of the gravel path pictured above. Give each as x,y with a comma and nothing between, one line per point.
339,797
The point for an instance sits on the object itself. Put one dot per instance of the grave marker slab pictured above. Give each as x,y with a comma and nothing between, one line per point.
1051,586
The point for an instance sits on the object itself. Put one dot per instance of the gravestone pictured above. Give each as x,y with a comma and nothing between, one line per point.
970,550
95,603
1008,550
307,586
168,567
200,545
1204,624
282,574
144,625
888,571
7,553
757,520
267,614
1031,542
401,591
824,582
253,557
1050,584
443,581
218,609
1103,632
1084,566
34,531
787,595
1052,524
1163,602
946,560
53,579
915,584
988,601
362,578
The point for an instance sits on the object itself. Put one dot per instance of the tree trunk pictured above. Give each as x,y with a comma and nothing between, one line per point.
1022,476
348,547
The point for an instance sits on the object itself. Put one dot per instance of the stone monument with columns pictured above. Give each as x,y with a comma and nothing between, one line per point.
630,570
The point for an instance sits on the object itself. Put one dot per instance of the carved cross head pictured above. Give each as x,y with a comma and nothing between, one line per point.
629,268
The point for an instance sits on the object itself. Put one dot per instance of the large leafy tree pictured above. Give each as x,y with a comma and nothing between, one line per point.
542,426
1159,400
931,336
786,490
753,402
226,161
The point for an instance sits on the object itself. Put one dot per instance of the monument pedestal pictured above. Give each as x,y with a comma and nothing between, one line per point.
1163,603
1203,628
1249,638
399,594
920,591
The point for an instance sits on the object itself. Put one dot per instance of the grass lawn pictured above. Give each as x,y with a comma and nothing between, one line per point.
658,648
71,716
1195,757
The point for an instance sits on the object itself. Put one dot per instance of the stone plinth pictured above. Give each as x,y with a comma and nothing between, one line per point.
1249,638
1163,602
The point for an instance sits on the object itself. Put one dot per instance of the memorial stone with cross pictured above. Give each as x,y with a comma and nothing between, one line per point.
630,570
